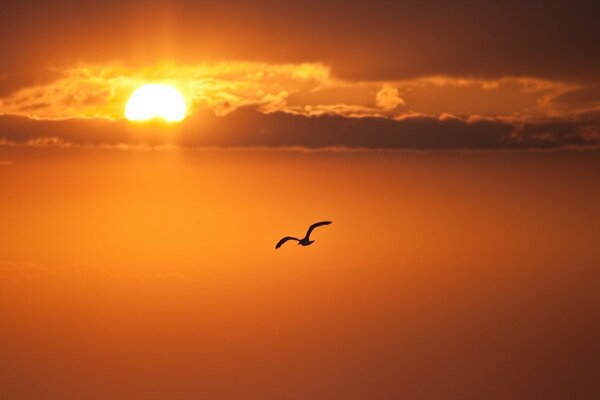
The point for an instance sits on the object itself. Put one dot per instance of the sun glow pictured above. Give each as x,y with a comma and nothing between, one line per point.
156,101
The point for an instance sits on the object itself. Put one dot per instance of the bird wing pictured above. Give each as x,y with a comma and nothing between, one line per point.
316,225
285,239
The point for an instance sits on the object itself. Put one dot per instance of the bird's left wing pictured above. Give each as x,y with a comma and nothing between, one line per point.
285,239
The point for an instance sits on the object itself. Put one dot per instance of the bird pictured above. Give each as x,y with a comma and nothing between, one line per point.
305,241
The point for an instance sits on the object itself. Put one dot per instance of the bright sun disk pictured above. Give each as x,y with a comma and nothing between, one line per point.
158,101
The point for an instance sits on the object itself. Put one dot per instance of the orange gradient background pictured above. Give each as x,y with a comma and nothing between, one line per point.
454,145
152,274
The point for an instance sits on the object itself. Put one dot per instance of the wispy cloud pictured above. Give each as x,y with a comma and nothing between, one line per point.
15,271
101,91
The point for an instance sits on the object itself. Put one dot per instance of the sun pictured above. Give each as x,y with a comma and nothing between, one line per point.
156,101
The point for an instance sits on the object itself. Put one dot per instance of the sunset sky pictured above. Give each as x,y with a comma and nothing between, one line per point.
454,145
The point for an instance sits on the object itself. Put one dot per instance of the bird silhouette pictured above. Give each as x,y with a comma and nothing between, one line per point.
305,241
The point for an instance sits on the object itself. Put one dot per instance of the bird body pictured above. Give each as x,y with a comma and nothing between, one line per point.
305,241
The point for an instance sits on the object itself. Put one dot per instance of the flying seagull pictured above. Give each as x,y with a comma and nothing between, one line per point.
305,241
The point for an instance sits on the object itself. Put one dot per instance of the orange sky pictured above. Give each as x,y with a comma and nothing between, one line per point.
142,274
453,145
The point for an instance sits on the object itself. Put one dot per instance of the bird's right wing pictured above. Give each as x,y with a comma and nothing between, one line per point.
285,239
316,225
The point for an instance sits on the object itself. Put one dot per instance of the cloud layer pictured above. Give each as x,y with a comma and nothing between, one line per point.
247,104
249,127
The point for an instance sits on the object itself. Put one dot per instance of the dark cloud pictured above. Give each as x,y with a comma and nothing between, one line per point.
555,39
248,127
